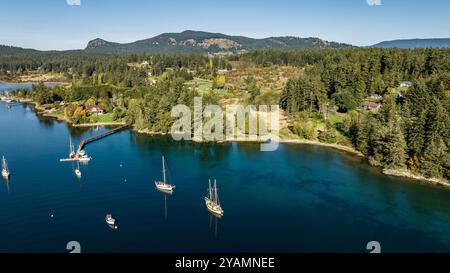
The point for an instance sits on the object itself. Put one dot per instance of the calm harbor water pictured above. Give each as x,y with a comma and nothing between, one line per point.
5,87
298,199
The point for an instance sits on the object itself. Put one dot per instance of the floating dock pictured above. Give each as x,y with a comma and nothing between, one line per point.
68,160
88,140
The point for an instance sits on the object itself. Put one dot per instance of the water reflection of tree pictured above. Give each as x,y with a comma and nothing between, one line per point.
205,151
249,150
48,122
78,132
148,141
212,151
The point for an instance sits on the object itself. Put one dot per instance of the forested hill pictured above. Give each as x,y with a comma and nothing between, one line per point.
206,42
11,50
415,43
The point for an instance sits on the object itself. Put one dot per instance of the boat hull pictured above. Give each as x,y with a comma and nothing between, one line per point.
166,188
110,221
84,159
213,207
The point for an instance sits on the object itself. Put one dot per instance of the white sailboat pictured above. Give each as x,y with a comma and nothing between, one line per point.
212,200
77,171
162,185
5,170
72,150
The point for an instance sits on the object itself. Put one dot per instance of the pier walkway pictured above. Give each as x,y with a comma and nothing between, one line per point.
99,136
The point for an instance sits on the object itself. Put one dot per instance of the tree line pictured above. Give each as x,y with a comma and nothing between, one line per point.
412,128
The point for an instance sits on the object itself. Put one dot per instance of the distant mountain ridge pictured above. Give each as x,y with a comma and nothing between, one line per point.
415,43
206,42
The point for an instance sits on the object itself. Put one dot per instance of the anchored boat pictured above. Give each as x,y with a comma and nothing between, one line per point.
72,150
5,170
77,171
162,185
83,157
110,221
212,200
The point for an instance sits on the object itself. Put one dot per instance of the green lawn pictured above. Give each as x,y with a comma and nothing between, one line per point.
335,118
204,86
396,90
102,118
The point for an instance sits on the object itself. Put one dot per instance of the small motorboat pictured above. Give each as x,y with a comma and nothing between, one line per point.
110,220
84,159
5,169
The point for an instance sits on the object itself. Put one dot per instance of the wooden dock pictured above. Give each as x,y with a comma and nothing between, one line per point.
68,160
84,142
99,136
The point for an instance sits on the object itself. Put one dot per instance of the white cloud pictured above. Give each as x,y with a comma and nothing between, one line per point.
374,2
73,2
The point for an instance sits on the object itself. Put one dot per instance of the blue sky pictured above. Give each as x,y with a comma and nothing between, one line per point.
54,24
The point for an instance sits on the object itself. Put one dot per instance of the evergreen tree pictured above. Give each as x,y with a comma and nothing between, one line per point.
434,157
394,147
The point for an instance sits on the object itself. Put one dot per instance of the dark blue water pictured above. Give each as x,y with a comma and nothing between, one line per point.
298,199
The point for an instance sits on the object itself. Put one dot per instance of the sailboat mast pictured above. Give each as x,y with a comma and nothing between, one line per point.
215,192
164,170
4,164
210,191
71,146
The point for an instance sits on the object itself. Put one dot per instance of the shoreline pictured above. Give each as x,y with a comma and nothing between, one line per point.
336,146
407,174
97,124
350,150
35,82
343,148
42,111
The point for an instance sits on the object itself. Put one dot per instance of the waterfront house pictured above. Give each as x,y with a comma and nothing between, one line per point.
94,110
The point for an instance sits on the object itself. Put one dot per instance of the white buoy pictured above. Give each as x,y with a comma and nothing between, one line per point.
51,216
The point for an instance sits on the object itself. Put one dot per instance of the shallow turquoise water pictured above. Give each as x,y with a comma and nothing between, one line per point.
298,199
